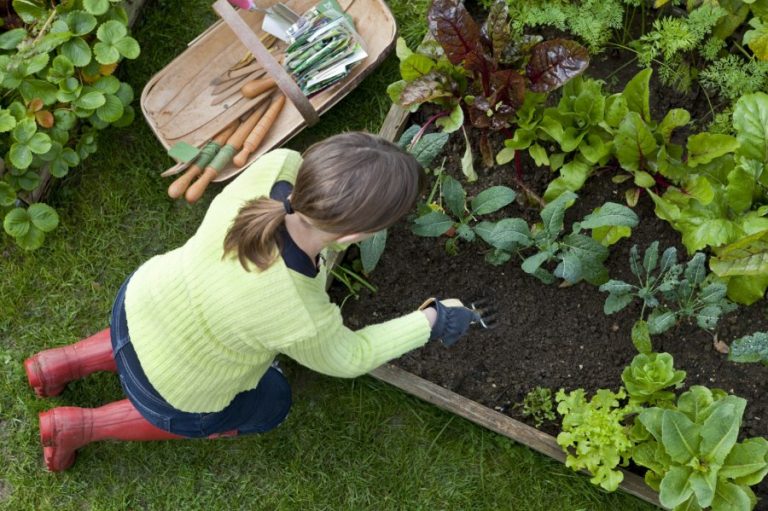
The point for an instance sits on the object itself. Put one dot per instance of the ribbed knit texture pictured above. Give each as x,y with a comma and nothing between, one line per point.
204,329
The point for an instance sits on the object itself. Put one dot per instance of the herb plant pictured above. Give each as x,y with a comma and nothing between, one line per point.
479,74
56,72
538,405
670,291
750,348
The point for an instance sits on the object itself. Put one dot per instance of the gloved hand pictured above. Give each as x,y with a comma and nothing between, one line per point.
453,319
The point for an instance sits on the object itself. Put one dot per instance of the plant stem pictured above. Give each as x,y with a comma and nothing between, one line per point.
518,179
358,278
45,27
421,131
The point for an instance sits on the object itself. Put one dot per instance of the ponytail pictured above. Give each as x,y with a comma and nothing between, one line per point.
253,235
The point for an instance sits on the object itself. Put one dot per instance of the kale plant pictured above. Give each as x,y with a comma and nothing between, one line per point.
750,348
671,291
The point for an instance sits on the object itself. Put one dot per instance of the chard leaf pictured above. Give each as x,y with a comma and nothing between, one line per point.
610,214
616,109
634,143
675,118
555,62
747,256
416,66
740,189
496,28
637,94
680,436
430,87
608,236
757,38
467,161
572,177
508,234
454,28
705,147
750,120
452,122
747,289
492,199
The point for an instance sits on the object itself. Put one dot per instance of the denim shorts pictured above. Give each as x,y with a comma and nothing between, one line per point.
252,411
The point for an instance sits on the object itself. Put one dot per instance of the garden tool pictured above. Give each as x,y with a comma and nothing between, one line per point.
486,311
201,160
49,371
224,155
259,131
277,19
65,429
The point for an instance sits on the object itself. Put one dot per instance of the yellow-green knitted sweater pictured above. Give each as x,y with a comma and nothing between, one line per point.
204,329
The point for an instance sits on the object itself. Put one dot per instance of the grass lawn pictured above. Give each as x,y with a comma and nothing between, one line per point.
348,444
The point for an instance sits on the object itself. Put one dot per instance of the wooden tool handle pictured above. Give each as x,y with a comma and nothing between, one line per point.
196,189
238,137
180,185
255,87
259,131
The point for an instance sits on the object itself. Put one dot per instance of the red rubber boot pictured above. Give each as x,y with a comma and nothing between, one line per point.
65,429
49,371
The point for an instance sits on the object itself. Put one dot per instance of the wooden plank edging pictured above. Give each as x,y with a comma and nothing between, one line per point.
495,421
391,128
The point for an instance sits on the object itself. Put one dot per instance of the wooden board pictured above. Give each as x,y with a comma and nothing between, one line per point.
176,101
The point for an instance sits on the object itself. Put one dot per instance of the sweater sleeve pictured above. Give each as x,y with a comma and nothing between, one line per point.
338,351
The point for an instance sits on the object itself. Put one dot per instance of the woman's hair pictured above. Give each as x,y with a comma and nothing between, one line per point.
349,183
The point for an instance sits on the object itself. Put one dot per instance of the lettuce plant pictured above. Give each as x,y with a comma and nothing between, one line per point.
647,377
693,456
750,348
479,74
670,290
594,435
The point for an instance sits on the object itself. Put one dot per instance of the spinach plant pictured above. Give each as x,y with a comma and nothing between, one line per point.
459,214
479,74
693,457
425,147
576,256
750,348
56,72
671,291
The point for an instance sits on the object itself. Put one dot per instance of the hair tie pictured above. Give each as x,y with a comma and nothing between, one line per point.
287,206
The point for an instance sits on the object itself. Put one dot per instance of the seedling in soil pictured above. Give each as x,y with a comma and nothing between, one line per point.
538,405
671,291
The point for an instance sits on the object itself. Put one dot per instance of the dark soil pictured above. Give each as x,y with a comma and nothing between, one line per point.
550,336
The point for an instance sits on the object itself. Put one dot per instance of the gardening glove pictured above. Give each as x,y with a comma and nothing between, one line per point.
453,319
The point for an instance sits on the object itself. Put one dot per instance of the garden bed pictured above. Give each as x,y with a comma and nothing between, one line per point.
548,336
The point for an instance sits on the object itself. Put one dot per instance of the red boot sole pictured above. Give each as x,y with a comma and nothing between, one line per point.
55,461
36,380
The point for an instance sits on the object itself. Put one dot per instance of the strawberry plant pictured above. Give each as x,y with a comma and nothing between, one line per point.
672,292
56,72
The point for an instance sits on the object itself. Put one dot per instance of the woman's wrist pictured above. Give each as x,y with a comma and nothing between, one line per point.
431,315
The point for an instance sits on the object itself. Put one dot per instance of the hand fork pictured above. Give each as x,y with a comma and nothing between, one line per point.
486,312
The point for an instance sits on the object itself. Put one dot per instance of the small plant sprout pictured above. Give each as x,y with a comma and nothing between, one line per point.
670,291
538,405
